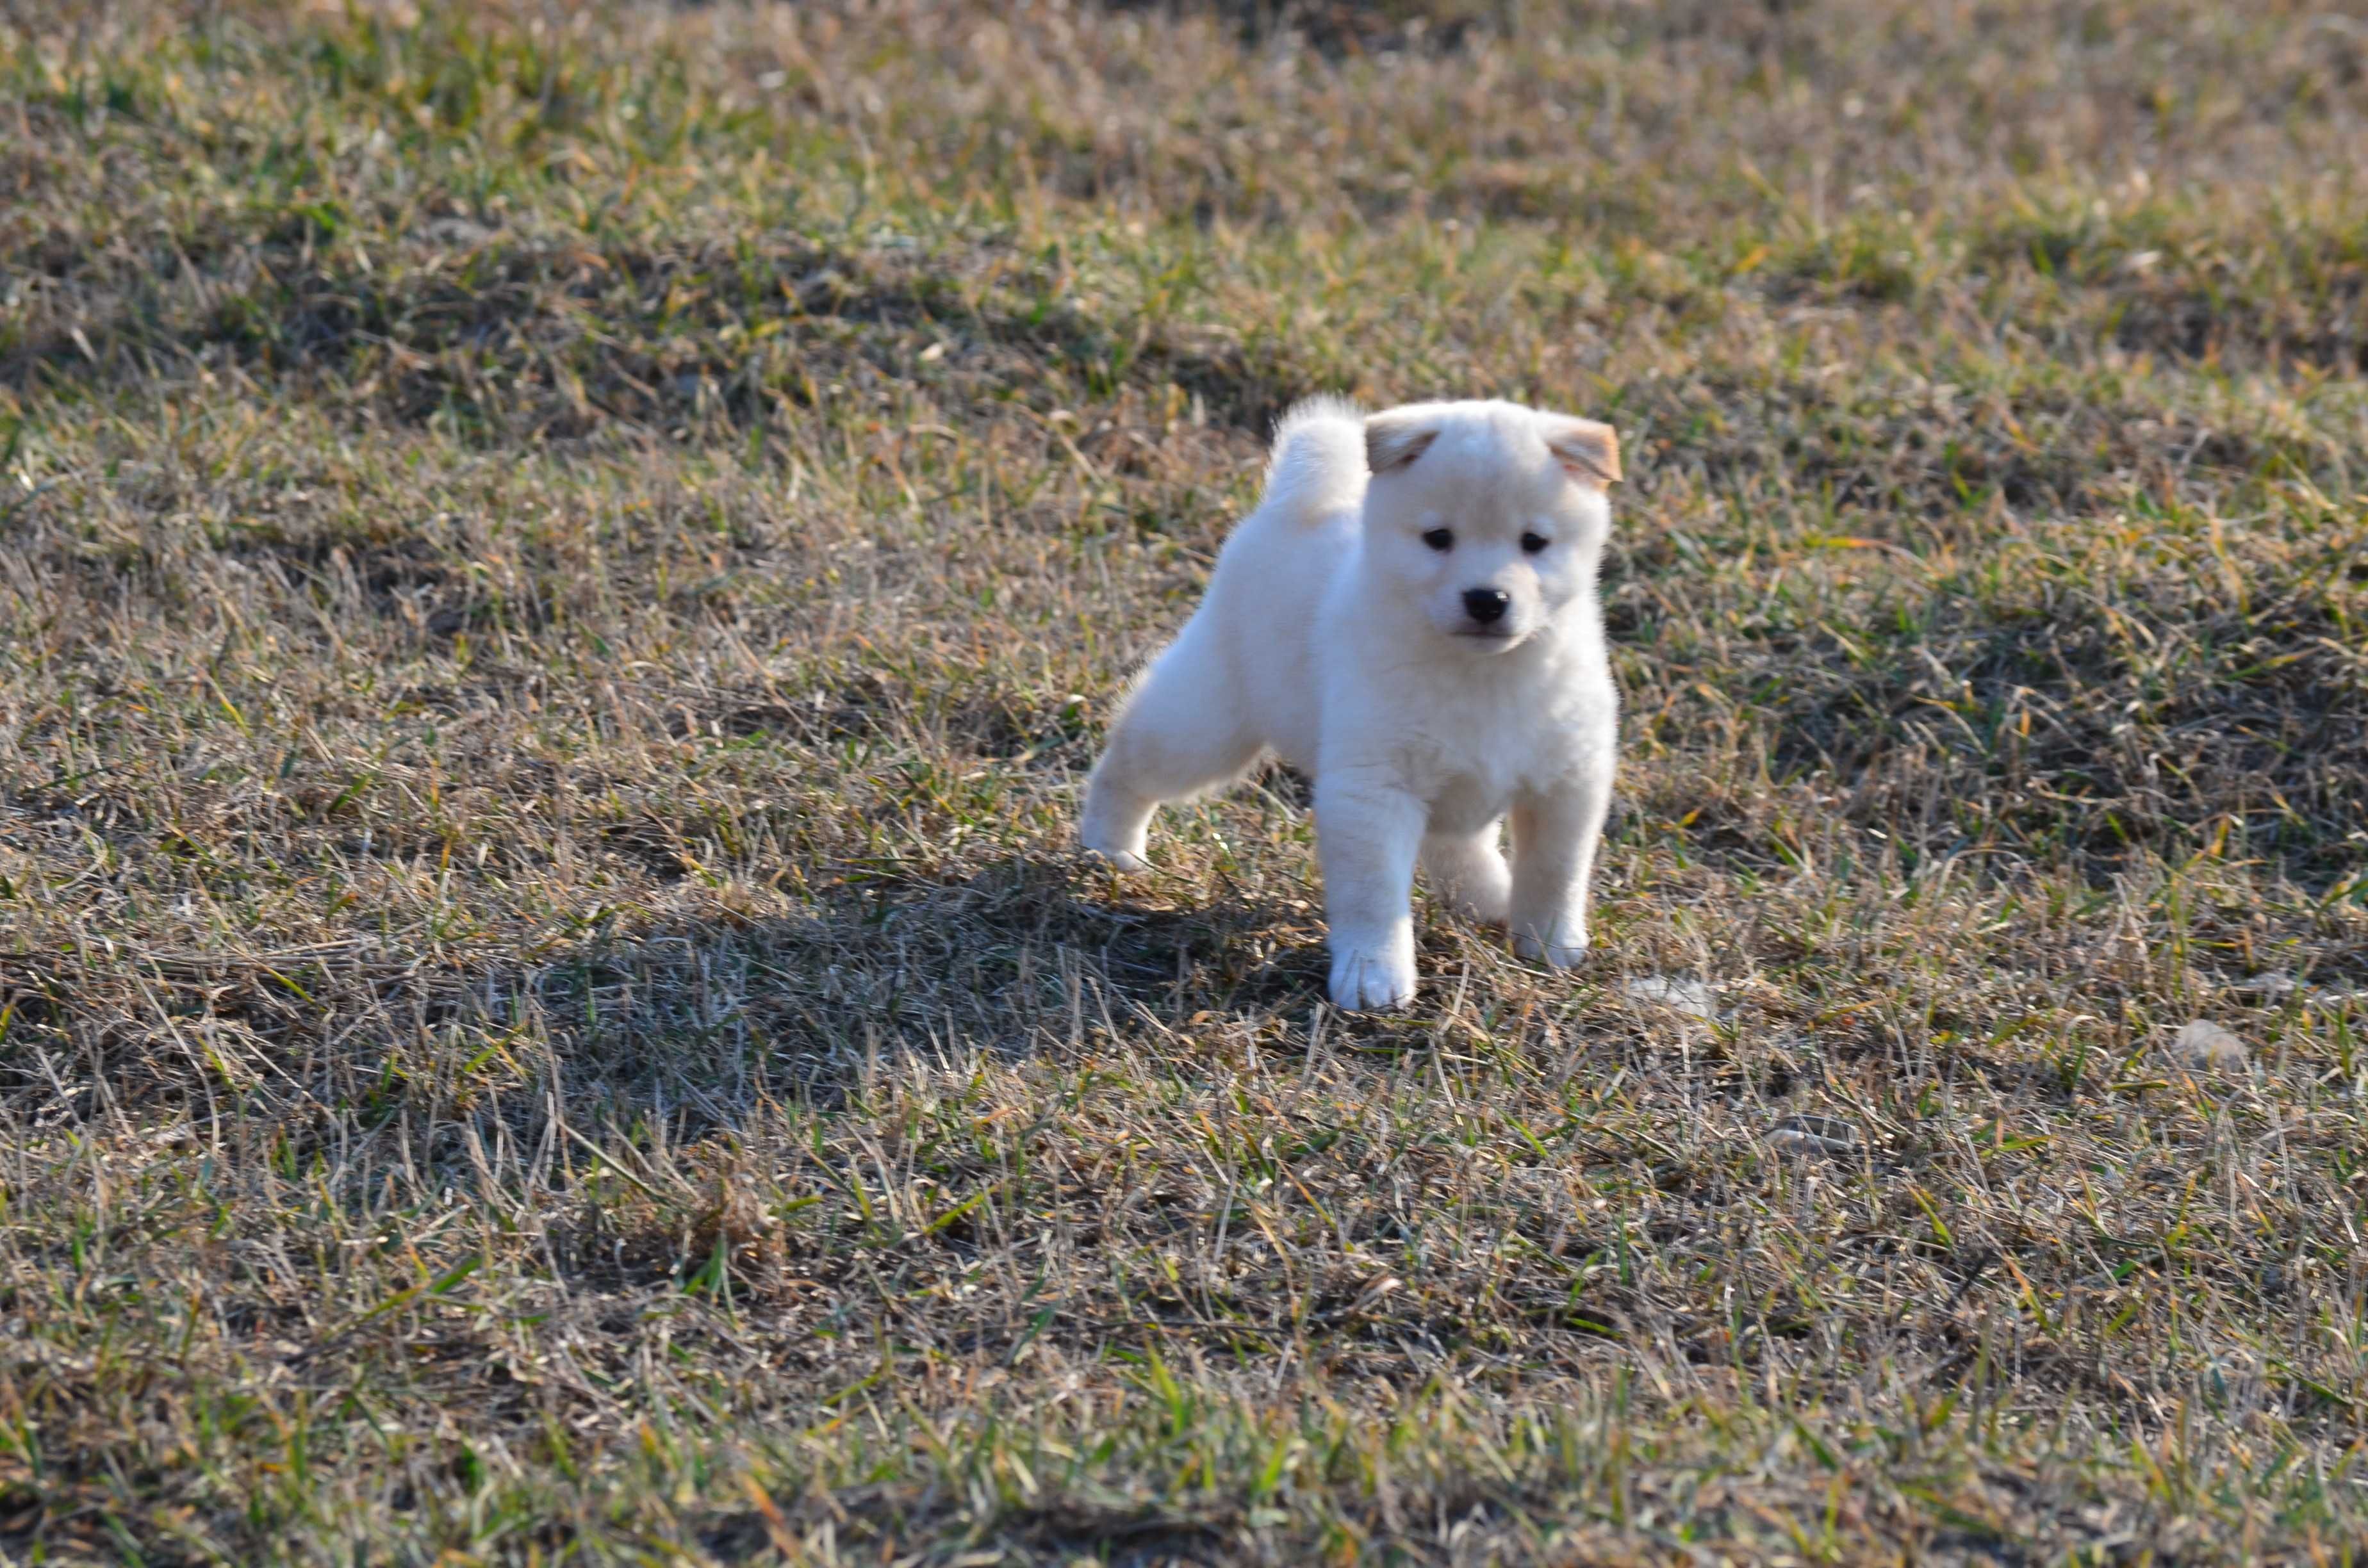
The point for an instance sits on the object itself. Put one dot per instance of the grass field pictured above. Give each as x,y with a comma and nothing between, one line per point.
560,574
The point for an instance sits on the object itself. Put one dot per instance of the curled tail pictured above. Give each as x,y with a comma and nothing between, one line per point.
1318,464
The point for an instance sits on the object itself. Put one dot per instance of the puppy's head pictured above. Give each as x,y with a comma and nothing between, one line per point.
1488,516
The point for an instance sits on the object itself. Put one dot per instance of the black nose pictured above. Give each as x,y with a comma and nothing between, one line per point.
1486,606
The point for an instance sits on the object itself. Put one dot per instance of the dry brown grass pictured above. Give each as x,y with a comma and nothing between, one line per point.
559,574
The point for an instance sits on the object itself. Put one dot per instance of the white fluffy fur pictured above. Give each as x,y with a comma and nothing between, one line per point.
1335,636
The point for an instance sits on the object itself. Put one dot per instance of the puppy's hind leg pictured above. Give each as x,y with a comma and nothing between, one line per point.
1468,869
1181,732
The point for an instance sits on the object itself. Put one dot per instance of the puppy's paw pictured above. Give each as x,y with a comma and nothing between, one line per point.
1490,904
1118,859
1557,954
1371,979
1473,878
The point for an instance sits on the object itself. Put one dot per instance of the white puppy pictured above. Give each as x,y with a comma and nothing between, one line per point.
1409,617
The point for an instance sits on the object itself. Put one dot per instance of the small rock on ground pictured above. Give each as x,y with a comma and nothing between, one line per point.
2204,1043
1690,997
1814,1135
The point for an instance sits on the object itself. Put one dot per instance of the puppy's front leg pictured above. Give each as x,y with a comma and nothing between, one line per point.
1554,835
1366,834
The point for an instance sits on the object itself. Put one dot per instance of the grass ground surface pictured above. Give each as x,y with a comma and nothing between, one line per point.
560,573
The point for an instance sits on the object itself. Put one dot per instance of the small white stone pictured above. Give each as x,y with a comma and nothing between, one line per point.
1814,1135
1690,997
2205,1044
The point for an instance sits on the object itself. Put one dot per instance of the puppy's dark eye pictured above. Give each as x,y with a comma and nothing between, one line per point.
1533,544
1439,539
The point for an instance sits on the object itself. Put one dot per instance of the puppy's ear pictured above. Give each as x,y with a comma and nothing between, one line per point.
1588,450
1394,439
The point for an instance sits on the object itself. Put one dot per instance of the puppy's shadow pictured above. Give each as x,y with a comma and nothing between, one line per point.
1019,956
1134,943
